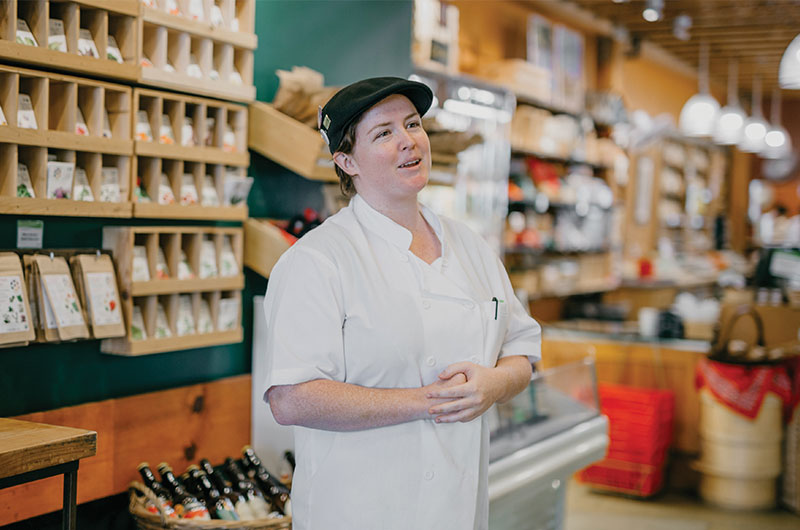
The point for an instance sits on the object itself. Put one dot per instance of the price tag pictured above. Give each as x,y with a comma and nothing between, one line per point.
30,233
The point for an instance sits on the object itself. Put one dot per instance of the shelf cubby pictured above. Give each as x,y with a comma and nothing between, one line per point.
102,18
167,291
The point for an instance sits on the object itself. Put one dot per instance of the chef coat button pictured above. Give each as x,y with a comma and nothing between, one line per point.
426,304
429,475
403,257
444,262
475,359
430,361
468,304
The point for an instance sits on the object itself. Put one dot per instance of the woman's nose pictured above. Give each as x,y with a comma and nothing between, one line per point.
407,141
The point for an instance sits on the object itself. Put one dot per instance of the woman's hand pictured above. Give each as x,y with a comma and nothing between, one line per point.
483,388
454,380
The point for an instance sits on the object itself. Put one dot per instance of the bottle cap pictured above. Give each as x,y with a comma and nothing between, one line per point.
164,466
143,464
193,467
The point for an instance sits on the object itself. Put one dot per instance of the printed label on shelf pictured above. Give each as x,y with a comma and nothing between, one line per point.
30,233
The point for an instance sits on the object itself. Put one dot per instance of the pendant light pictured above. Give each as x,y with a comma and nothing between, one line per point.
699,114
777,140
730,123
789,71
755,127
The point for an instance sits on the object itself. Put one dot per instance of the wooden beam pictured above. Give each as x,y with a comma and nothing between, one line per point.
572,15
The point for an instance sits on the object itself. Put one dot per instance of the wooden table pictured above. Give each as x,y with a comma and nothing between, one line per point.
32,451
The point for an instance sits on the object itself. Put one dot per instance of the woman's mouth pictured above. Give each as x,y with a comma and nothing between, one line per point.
411,163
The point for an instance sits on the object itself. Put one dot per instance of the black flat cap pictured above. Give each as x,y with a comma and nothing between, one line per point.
353,100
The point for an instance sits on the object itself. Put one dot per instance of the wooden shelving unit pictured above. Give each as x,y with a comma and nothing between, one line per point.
264,245
115,18
148,294
57,100
290,143
184,53
217,148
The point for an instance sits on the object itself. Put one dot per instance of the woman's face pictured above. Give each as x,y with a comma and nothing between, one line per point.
391,158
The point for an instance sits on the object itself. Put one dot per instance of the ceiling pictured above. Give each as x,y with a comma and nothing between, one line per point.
755,33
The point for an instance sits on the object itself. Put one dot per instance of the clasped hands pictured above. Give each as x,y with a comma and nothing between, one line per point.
463,392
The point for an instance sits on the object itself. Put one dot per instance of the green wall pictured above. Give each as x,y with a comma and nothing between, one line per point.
345,40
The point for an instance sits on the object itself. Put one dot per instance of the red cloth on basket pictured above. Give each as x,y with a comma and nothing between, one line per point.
741,387
793,366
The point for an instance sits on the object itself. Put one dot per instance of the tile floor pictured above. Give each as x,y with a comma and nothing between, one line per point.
590,510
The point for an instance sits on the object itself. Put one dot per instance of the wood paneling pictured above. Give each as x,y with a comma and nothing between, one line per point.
180,426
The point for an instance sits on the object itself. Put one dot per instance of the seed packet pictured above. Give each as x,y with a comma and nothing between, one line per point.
81,190
162,330
187,132
236,189
86,44
24,34
208,140
165,194
112,50
184,324
228,316
80,123
109,187
217,20
194,70
188,190
173,8
97,286
16,317
196,10
106,125
59,179
235,77
146,62
60,292
140,193
209,195
162,269
56,40
205,323
3,120
235,24
169,68
166,135
213,74
138,331
140,266
208,259
227,259
24,185
26,118
184,269
143,130
149,3
228,140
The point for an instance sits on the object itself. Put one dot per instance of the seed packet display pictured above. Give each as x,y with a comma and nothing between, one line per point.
24,34
172,7
187,132
188,190
213,74
56,40
80,124
97,282
236,189
24,184
205,324
16,324
209,195
215,15
208,259
81,190
143,130
60,292
162,269
228,315
26,118
228,140
162,330
138,331
165,134
165,193
139,192
140,267
228,266
208,139
184,324
109,187
184,269
194,70
196,10
59,179
86,44
235,77
106,125
146,62
112,50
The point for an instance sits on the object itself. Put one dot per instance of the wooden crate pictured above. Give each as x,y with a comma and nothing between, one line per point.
148,294
263,245
290,143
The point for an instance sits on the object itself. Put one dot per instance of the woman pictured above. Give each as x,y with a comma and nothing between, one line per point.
390,332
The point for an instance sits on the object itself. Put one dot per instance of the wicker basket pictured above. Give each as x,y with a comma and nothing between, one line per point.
146,520
791,473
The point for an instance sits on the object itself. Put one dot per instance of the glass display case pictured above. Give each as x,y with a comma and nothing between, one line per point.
538,440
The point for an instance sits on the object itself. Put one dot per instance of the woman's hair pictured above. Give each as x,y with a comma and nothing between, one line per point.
346,146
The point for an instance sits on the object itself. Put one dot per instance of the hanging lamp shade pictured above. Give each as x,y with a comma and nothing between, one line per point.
730,120
755,127
789,71
699,114
777,142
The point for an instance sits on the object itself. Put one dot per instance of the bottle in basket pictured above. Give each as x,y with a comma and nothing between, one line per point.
162,494
255,499
219,506
239,501
187,506
275,491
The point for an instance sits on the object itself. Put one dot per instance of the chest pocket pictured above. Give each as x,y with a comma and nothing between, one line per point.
495,323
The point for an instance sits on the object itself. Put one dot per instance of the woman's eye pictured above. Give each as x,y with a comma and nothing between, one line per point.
382,134
413,124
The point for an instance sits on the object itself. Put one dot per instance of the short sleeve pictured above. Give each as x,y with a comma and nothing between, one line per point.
524,334
304,315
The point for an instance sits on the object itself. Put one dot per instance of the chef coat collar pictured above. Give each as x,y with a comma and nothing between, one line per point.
386,228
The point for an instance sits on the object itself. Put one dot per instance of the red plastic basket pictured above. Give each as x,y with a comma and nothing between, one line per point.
618,476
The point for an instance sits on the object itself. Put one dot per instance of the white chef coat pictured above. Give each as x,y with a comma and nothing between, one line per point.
350,302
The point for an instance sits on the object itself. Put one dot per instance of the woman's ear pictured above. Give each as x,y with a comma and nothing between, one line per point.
346,163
